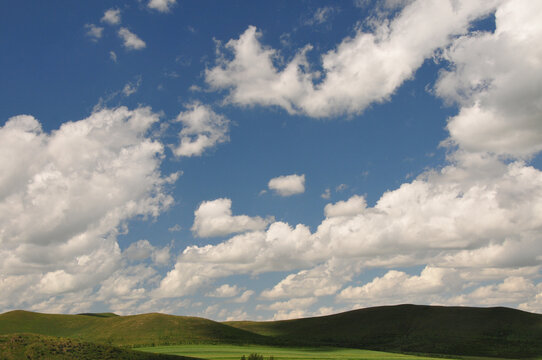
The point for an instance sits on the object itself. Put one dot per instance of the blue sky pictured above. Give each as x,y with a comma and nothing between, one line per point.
269,160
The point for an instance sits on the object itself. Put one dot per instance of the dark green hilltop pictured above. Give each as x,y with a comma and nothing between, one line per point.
494,332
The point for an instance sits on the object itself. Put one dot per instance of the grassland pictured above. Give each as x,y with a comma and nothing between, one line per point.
232,352
31,346
128,331
490,332
494,332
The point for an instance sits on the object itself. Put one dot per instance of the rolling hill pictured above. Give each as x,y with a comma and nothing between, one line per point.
499,332
135,330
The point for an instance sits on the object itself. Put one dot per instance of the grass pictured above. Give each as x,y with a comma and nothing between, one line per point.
231,352
493,332
490,332
32,346
128,331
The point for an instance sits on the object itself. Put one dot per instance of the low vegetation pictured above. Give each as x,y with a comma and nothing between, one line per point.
233,352
491,332
31,346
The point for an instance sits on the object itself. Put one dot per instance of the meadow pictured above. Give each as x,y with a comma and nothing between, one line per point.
234,352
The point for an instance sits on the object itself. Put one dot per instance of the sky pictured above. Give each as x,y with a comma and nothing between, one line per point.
269,160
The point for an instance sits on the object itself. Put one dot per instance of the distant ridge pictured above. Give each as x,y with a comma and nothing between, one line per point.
497,332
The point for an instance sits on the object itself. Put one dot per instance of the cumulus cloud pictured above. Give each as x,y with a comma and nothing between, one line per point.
288,185
161,5
111,17
361,70
143,249
353,206
214,218
495,78
474,224
245,296
290,309
397,286
202,129
131,40
474,215
94,32
325,279
225,291
64,197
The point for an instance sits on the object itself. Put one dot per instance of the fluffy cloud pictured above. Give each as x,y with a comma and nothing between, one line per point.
161,5
363,69
214,218
143,249
225,291
202,129
112,17
472,216
94,32
244,296
280,247
131,40
288,185
353,206
325,279
495,78
64,197
397,286
474,224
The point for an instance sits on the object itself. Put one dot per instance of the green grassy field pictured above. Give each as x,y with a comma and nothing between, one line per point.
232,352
32,346
457,331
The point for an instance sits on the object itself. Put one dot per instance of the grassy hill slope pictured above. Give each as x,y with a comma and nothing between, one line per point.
498,332
501,332
136,330
32,346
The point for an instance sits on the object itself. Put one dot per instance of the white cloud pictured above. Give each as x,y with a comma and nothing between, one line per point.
225,291
353,206
325,279
495,78
290,309
161,5
245,296
472,216
64,197
202,129
397,286
94,32
288,185
326,194
131,40
363,69
112,17
214,218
